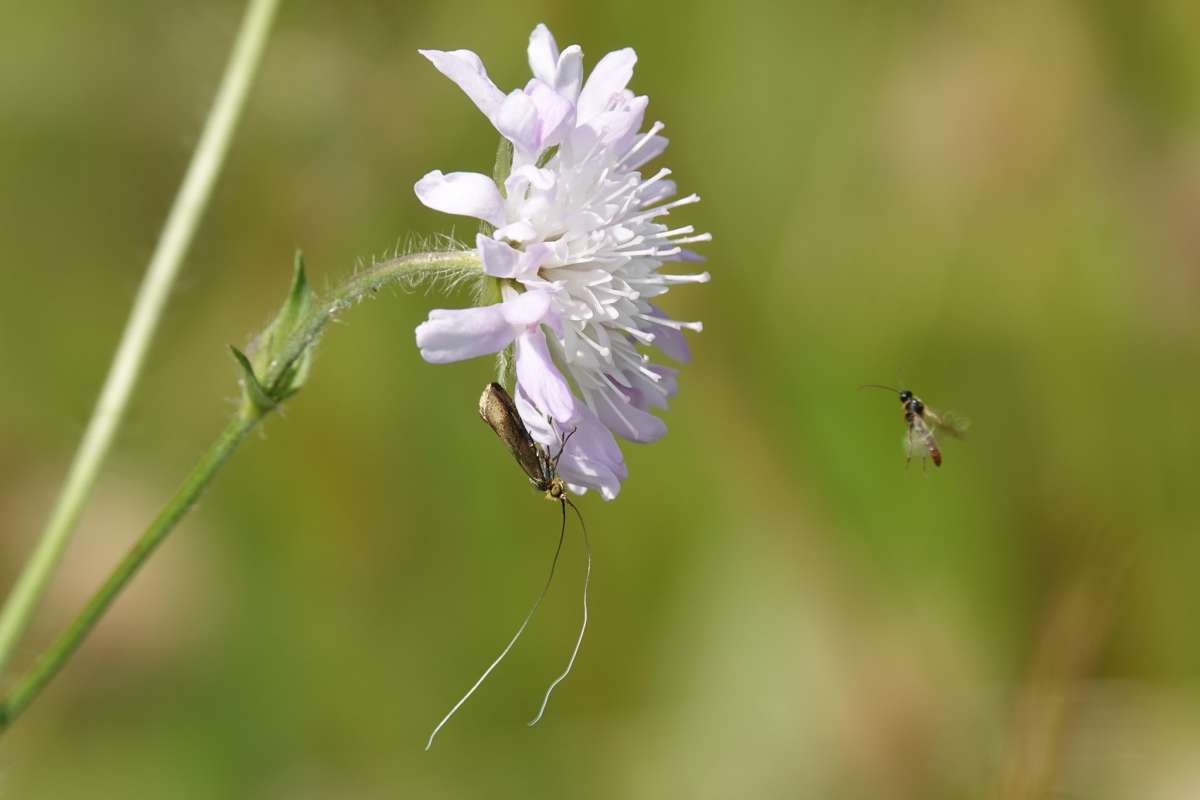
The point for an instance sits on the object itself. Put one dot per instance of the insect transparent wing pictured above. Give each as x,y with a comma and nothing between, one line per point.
954,424
919,441
914,445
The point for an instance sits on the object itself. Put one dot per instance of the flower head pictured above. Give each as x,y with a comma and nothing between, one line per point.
576,236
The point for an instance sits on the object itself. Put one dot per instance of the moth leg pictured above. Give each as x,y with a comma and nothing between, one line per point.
563,447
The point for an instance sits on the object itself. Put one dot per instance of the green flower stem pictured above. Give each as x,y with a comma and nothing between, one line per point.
56,656
173,244
404,270
407,270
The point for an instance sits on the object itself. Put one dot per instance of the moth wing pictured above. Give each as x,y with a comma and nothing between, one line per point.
499,411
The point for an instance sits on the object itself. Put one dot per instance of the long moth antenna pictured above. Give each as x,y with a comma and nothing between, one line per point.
524,623
879,386
587,577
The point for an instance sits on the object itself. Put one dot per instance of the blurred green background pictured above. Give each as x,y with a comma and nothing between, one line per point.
996,203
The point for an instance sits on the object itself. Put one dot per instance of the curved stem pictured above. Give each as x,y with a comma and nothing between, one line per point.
152,296
395,271
403,270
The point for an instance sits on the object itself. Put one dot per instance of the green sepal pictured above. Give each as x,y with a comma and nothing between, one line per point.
268,347
253,393
270,342
503,165
297,305
506,366
547,154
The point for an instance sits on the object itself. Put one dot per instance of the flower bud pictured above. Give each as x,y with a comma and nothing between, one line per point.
268,347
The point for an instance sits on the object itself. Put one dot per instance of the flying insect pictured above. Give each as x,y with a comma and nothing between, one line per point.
921,423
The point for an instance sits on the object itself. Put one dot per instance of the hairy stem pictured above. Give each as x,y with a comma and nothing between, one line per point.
404,270
176,236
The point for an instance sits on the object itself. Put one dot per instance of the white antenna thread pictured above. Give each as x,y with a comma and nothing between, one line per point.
517,635
582,628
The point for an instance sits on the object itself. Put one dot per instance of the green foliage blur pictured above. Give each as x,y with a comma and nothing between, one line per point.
997,204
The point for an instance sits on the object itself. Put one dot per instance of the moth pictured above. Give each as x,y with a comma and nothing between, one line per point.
499,411
921,422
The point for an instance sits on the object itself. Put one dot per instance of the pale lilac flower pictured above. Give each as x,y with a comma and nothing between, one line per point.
577,238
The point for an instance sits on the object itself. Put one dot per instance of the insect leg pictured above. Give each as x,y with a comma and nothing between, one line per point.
562,447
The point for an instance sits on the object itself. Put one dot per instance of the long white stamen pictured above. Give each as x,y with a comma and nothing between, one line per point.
642,336
649,373
653,179
599,348
665,208
657,252
628,294
628,185
646,137
680,231
638,363
616,407
665,279
673,323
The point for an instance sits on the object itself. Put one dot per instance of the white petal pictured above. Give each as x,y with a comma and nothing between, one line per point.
671,342
467,193
543,54
503,261
570,73
591,458
499,260
518,121
668,381
529,308
456,334
608,77
467,70
688,255
529,175
519,231
555,113
540,379
616,412
620,123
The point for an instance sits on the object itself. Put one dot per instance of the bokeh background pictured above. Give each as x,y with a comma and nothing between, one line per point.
996,203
